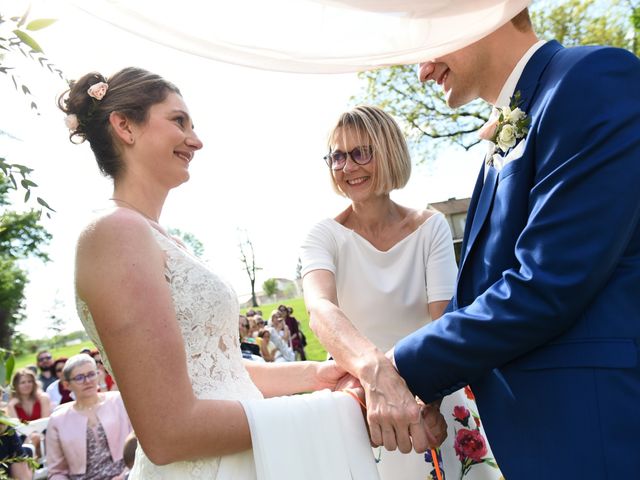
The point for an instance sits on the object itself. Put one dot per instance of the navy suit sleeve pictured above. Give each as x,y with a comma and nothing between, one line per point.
583,211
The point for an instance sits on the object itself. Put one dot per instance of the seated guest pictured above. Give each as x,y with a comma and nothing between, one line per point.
56,392
279,337
28,402
45,362
248,344
267,351
298,341
11,447
105,380
85,438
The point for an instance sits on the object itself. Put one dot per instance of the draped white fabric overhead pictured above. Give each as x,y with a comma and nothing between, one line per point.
309,36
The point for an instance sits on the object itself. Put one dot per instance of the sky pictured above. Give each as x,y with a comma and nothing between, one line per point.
261,168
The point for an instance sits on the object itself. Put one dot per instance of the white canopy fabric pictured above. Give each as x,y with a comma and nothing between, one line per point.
310,36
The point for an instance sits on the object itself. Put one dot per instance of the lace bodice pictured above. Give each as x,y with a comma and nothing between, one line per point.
207,313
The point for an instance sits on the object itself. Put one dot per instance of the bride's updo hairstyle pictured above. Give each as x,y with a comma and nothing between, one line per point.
91,99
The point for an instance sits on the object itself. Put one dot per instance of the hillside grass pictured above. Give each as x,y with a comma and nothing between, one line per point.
314,350
66,351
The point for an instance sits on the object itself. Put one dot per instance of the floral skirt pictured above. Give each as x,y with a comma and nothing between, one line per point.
464,455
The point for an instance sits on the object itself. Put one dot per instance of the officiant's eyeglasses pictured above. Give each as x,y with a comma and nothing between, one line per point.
338,159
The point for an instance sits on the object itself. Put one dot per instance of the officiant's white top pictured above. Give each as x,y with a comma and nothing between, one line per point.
375,287
310,36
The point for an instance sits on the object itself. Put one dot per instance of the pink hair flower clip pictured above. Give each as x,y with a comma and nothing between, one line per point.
98,90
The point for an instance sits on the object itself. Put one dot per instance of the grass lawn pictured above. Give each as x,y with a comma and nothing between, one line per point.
68,351
314,350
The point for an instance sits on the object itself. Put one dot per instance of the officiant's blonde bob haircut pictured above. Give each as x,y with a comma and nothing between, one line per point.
374,127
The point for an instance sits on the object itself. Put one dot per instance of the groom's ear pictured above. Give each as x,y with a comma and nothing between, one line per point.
122,127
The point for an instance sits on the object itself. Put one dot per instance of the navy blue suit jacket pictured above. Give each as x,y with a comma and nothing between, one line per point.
545,321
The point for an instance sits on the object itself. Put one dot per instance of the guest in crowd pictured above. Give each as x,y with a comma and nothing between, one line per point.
105,380
57,392
45,362
28,402
248,345
298,342
85,438
279,338
11,447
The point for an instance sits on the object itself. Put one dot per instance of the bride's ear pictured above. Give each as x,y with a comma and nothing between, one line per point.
122,127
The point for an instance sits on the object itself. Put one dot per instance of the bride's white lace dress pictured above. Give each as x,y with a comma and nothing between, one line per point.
207,312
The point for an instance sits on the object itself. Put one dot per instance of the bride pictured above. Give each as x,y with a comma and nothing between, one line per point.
146,301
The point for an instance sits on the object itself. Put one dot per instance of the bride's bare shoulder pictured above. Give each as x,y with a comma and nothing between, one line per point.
119,222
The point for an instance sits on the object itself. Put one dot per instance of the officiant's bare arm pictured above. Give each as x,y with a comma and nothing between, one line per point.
120,274
392,413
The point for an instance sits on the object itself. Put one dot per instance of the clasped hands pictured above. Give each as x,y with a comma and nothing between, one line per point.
396,419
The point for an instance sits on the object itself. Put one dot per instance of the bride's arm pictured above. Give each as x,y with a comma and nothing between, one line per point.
120,275
286,378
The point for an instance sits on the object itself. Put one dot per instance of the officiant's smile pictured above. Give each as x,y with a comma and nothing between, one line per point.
351,164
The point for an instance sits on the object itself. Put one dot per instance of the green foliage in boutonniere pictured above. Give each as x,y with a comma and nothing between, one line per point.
513,124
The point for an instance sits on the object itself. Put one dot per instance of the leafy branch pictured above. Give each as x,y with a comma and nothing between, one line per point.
16,39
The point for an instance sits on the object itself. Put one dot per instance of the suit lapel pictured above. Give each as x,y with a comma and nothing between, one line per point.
485,199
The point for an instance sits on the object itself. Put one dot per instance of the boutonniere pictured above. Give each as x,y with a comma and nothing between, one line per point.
509,125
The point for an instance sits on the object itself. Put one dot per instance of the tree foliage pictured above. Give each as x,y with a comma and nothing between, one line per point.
21,236
16,40
429,124
270,287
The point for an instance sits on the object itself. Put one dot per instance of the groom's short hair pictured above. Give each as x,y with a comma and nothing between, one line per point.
522,21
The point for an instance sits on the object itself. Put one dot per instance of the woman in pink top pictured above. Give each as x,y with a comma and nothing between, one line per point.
85,438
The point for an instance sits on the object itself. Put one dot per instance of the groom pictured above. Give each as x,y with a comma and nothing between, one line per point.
545,320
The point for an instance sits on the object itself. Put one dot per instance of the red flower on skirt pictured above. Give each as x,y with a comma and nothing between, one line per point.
461,413
469,393
470,444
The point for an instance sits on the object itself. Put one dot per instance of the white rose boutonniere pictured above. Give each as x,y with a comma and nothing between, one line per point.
512,125
505,127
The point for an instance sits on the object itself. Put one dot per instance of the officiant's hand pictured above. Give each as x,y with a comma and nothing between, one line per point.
395,419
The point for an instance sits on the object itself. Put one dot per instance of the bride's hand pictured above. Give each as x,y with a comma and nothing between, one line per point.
328,375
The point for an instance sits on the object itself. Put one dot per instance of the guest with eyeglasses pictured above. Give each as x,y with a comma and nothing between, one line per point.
375,273
44,361
85,438
27,403
57,392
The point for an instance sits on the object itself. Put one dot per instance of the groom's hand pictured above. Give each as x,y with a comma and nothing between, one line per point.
434,423
394,417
